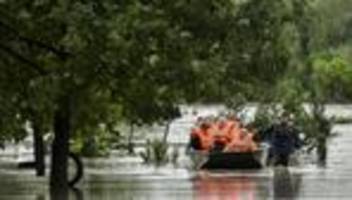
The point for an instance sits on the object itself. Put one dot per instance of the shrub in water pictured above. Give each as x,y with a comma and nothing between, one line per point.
156,152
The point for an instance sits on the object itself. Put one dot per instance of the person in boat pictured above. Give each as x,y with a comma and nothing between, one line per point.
236,135
250,139
224,134
232,127
242,140
220,129
284,140
195,139
201,137
220,133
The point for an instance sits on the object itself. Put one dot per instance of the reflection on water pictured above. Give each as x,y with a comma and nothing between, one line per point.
277,184
286,185
265,184
78,194
72,193
282,185
212,188
40,197
59,195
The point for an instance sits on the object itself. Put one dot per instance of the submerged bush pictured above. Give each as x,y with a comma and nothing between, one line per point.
97,144
156,152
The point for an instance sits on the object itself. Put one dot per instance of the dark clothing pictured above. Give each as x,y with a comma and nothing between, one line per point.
218,147
195,143
284,141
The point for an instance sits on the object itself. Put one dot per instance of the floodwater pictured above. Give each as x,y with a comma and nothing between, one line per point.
128,179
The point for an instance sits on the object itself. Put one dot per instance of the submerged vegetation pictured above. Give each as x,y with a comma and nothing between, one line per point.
156,152
70,68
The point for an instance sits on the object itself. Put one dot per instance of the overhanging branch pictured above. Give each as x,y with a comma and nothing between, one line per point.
23,59
59,52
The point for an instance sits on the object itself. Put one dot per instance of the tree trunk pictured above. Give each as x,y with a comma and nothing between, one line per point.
130,146
60,148
59,194
166,132
56,194
39,150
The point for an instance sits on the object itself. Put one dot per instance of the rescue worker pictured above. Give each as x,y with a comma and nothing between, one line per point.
284,141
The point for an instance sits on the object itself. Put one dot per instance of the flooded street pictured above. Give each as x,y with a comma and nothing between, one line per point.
128,179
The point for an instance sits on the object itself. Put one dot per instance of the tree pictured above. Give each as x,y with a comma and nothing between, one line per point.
79,50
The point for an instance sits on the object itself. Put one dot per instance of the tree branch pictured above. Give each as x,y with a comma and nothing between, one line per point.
59,52
23,59
63,55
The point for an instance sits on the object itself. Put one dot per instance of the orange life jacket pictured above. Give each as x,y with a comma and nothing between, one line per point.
218,133
249,142
225,129
242,142
195,132
205,137
233,132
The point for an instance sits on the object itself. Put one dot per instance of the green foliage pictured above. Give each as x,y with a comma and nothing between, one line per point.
291,94
97,143
136,61
332,76
266,115
114,60
260,47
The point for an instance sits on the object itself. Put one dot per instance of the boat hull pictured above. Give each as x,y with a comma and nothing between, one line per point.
231,160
